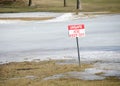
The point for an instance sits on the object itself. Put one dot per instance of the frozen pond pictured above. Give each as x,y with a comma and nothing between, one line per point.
49,39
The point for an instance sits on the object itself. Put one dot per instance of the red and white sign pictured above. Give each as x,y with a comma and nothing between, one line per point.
76,30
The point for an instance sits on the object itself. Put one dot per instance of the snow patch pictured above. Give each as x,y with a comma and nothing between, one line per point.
70,16
64,17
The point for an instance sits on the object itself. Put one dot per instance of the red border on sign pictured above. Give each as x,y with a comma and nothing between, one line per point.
75,27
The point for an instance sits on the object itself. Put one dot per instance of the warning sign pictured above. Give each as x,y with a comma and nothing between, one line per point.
76,30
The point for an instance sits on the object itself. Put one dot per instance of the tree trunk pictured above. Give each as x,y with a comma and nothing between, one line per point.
64,3
78,5
30,3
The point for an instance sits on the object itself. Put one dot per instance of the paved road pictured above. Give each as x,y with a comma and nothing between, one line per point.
46,39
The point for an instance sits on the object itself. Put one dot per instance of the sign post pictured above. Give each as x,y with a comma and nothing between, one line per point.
76,31
78,50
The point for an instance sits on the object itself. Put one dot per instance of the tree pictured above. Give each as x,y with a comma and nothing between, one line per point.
64,3
30,3
78,5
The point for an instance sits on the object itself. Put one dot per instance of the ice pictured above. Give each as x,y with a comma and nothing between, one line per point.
93,70
112,73
101,56
109,68
49,40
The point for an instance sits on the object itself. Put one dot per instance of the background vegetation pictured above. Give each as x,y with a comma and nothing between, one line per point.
58,5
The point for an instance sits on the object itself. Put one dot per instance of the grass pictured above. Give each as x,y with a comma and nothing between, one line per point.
28,19
13,74
57,6
102,5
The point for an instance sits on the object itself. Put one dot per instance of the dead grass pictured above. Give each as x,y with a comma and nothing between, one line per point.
99,73
28,18
13,74
57,6
41,69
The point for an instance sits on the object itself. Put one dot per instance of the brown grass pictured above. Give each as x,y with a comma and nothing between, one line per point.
57,6
28,18
13,74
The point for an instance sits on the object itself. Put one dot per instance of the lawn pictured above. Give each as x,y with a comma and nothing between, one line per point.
57,6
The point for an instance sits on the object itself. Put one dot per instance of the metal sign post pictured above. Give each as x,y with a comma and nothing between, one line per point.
76,31
78,50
